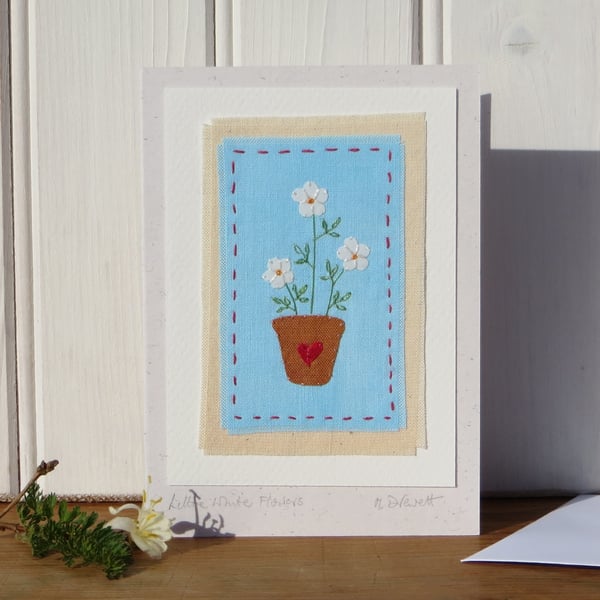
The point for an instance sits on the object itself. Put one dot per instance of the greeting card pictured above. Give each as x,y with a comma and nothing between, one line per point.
311,275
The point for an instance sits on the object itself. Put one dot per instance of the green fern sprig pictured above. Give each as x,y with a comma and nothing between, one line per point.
75,534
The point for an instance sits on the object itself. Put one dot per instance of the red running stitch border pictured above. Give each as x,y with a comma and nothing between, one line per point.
354,150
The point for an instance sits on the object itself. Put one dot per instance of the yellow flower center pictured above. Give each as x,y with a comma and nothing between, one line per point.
354,256
278,272
310,201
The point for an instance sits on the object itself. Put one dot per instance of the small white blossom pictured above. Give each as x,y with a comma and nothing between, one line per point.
311,199
149,531
279,272
354,255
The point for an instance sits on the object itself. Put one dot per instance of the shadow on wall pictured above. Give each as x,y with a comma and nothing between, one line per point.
540,391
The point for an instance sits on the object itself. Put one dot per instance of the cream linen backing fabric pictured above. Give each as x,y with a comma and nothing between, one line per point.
214,440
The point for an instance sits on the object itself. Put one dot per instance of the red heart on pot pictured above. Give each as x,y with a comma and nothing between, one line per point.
309,352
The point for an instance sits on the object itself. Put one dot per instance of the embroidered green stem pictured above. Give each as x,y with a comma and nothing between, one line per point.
308,256
334,274
314,264
296,294
294,308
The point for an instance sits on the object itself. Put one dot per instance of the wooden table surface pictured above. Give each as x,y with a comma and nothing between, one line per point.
300,568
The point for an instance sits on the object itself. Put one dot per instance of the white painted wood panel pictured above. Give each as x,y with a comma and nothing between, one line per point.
22,176
8,420
432,27
540,403
77,211
319,32
77,73
540,60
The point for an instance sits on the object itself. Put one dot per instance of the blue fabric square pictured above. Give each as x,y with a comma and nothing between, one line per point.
283,201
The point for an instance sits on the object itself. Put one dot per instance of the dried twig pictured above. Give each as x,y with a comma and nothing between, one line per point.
43,469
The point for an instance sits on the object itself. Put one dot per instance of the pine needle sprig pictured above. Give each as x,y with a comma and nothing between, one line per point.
77,535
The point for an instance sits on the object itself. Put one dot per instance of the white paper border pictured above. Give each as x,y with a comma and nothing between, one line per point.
185,109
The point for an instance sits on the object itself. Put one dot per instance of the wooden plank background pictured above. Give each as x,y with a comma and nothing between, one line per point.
332,32
8,397
82,181
76,147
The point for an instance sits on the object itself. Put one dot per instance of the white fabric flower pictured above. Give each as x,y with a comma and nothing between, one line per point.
149,531
279,272
311,199
354,255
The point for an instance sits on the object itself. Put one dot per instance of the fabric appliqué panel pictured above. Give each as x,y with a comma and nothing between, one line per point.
312,284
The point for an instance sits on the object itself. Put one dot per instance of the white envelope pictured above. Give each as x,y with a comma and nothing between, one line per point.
569,535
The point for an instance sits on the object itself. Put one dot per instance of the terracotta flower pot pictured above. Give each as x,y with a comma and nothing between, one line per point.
309,346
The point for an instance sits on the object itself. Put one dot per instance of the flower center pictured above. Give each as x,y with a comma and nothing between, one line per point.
278,272
354,256
310,201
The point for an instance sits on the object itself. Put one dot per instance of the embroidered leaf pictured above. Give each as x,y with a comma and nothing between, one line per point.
332,270
298,295
285,302
340,307
346,296
329,229
304,254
